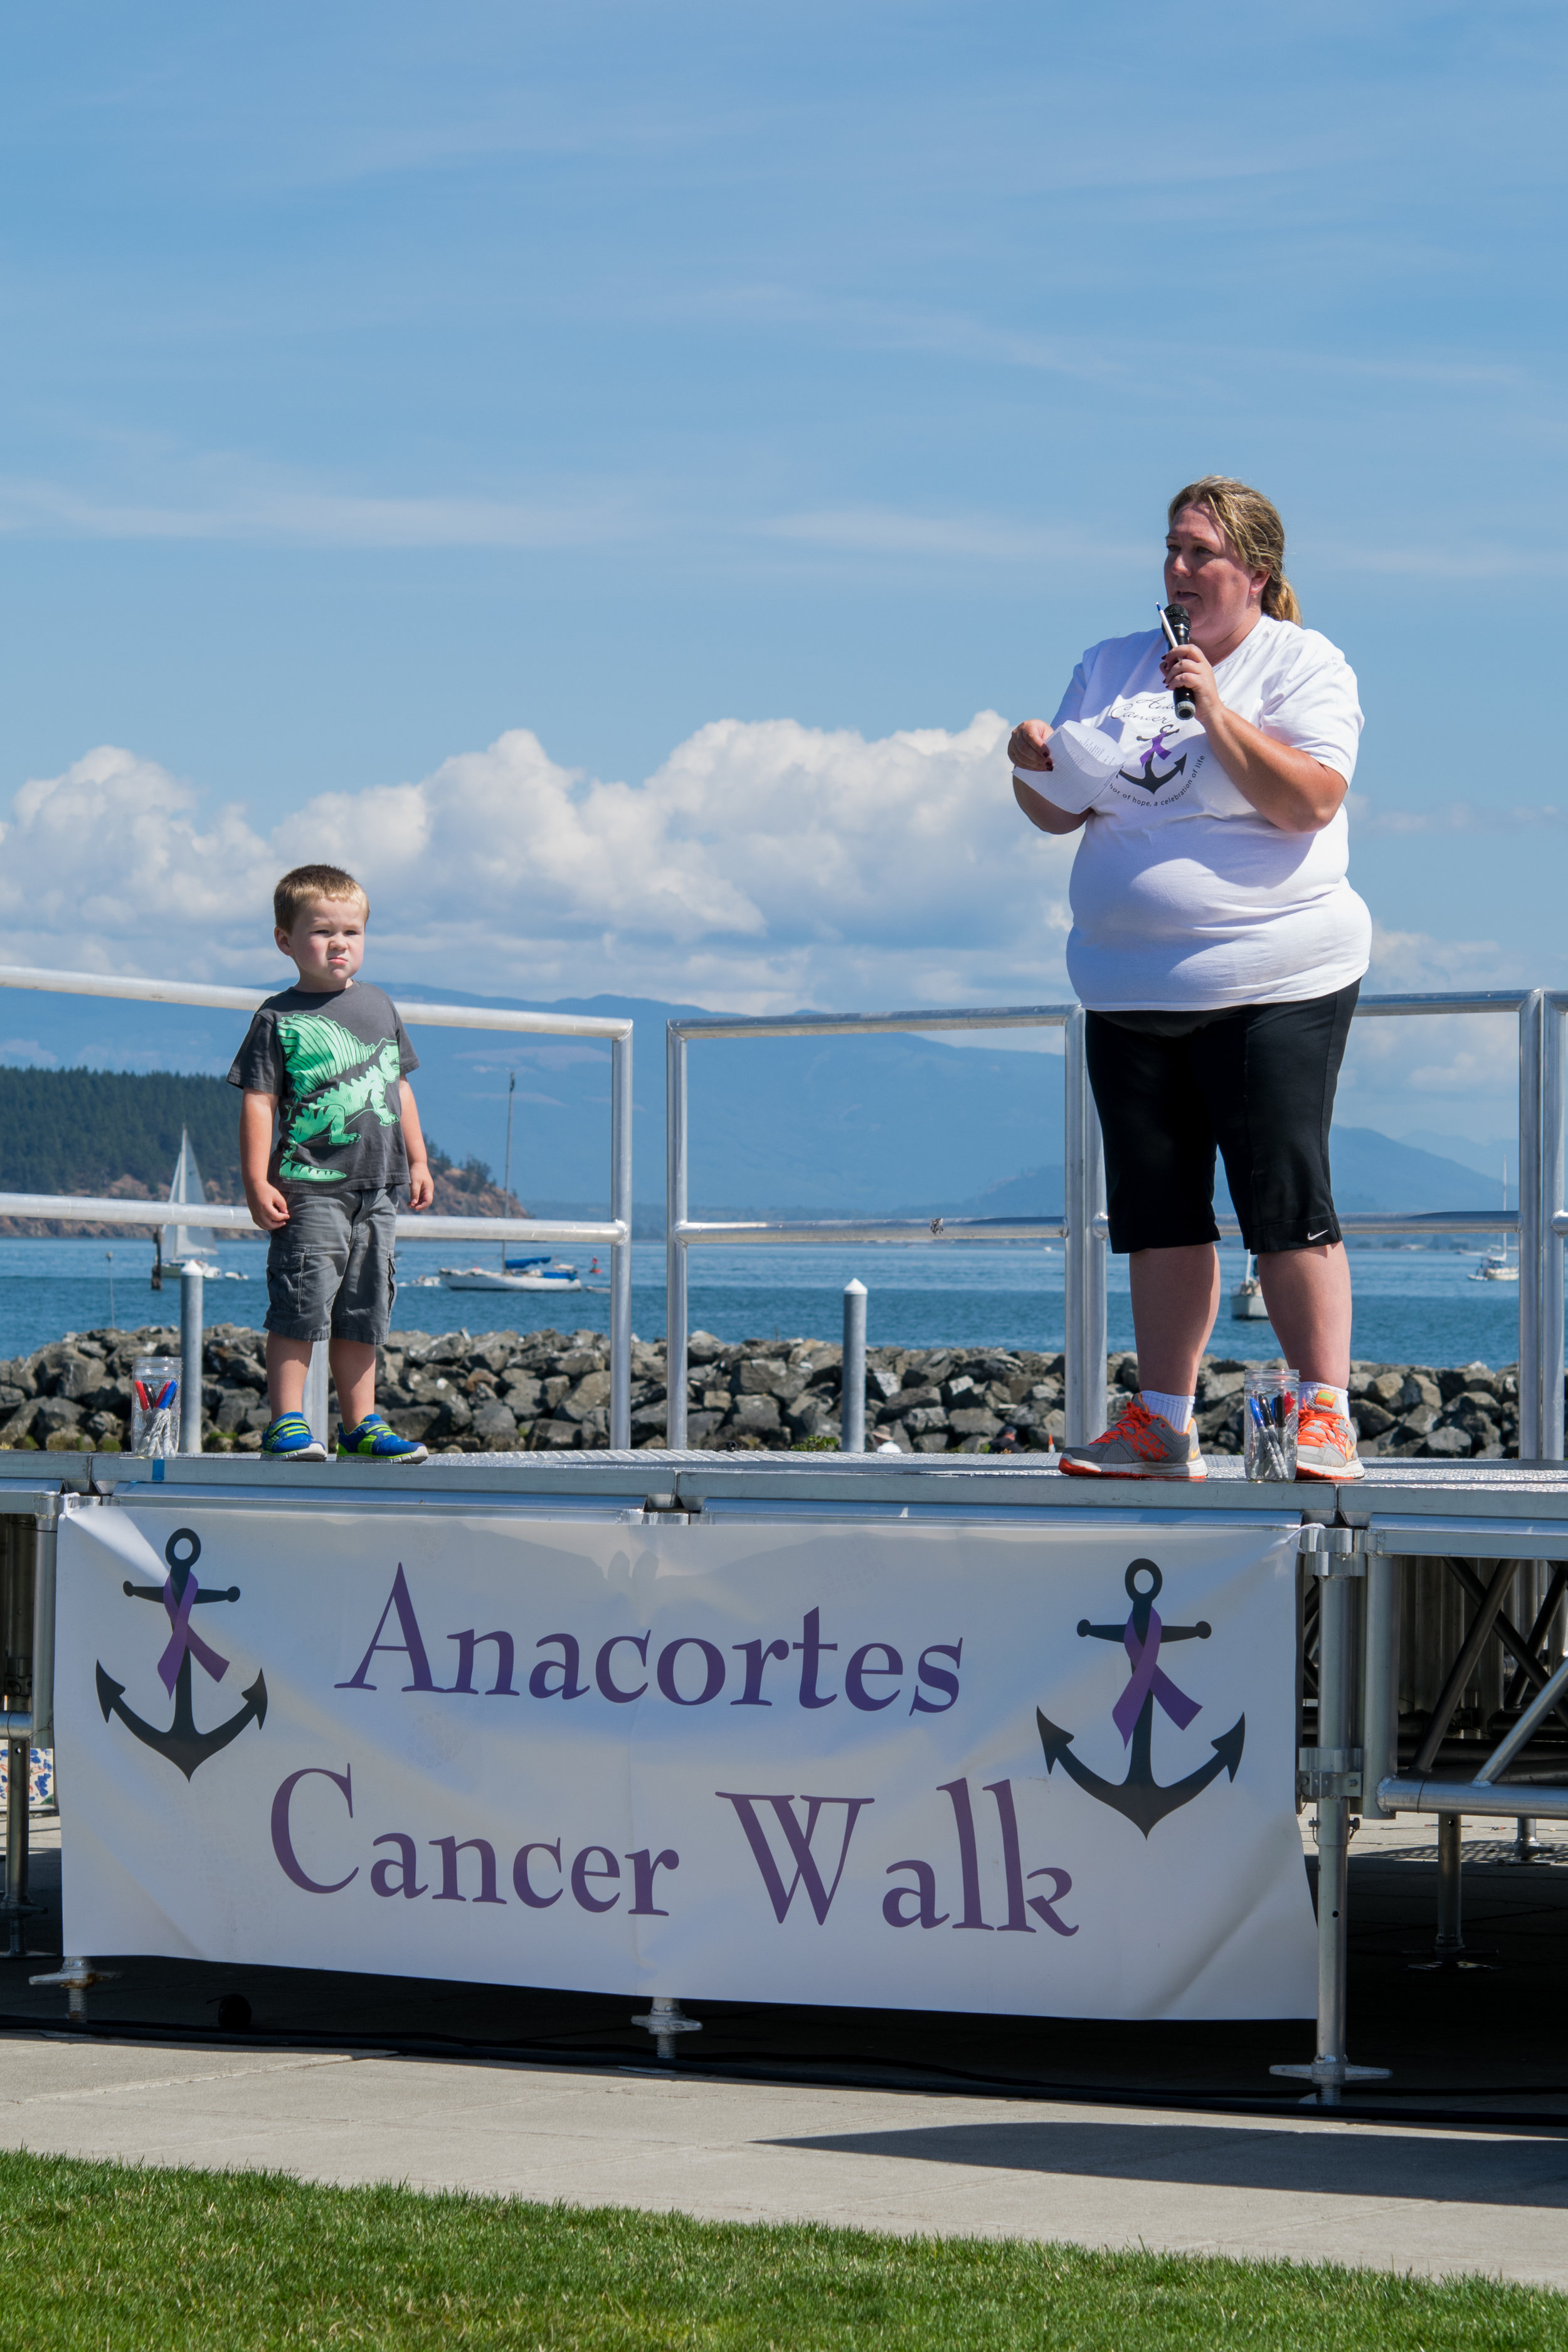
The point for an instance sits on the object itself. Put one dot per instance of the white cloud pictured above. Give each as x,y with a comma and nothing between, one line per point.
764,866
1415,960
217,500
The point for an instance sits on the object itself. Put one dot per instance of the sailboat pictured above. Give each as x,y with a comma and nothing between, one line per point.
514,1272
1497,1266
1246,1299
181,1242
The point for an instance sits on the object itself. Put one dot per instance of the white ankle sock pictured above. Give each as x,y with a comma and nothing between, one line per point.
1326,1398
1177,1410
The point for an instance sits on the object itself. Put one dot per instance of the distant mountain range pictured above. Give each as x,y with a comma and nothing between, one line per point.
841,1126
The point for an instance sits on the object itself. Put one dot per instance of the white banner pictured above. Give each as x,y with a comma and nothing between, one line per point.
1034,1770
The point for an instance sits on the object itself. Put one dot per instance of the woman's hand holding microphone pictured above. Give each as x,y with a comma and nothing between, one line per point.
1188,670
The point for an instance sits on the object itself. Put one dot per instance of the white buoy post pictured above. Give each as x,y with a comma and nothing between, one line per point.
316,1380
852,1390
191,1285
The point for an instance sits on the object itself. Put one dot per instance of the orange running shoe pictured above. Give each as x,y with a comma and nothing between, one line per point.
1325,1445
1142,1444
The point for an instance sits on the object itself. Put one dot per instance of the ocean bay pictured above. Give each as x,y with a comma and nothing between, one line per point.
1413,1304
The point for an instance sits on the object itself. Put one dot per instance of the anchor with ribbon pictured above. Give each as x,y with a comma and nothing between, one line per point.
1140,1796
1146,773
180,1592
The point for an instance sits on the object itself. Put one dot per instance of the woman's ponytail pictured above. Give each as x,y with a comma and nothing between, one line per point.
1252,525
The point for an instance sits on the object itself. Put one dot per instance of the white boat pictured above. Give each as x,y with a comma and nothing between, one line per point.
520,1274
514,1273
1497,1266
1246,1299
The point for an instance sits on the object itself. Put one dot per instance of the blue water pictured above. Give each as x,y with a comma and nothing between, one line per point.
1415,1304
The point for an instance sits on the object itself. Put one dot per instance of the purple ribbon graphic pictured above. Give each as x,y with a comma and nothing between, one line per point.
1148,1676
181,1638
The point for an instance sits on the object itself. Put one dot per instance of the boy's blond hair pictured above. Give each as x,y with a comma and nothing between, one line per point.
298,889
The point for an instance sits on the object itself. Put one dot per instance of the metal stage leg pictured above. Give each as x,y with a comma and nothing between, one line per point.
1331,1774
1527,1846
666,2023
77,1977
25,1552
19,1767
1451,1885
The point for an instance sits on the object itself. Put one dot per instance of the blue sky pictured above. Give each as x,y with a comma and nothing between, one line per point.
387,384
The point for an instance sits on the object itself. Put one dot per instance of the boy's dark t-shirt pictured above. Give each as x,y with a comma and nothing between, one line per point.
334,1060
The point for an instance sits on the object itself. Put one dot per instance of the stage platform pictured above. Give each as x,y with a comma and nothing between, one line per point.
1432,2018
1466,1492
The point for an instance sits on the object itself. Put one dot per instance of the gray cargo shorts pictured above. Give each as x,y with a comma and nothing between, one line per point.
330,1269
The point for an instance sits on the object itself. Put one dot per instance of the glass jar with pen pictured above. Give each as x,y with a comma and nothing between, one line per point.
1269,1423
155,1404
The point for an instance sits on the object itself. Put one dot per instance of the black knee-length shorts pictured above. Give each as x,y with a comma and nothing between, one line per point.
1258,1082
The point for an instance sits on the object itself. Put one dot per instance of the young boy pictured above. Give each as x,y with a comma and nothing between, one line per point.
327,1059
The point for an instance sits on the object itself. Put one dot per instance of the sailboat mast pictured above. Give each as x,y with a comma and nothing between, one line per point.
506,1172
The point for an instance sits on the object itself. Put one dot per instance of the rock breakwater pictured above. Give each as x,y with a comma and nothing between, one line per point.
503,1391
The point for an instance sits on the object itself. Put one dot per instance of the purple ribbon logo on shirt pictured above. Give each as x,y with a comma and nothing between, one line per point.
179,1593
1146,773
1143,1633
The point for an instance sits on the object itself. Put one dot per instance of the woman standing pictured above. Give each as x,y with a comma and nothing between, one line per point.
1218,949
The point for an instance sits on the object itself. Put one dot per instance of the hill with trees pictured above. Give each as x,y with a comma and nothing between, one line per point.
116,1134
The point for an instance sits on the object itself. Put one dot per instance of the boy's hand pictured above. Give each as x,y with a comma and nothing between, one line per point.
421,1184
268,1207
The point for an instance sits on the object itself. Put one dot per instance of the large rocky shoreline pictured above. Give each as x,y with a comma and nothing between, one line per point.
499,1390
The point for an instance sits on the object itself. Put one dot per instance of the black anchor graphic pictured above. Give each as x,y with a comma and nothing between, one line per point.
1141,1796
182,1744
1148,775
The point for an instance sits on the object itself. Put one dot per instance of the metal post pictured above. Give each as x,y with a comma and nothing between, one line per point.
1527,1846
18,1790
18,1727
621,1252
1335,1597
1379,1705
852,1382
1550,1310
1085,1250
664,2020
1336,1769
46,1526
1450,1886
675,1213
1535,1413
191,1288
317,1383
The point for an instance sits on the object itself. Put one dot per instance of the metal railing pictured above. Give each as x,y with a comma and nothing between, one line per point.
614,1232
1082,1225
1079,1227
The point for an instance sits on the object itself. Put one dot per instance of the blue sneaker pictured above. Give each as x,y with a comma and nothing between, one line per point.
289,1439
376,1440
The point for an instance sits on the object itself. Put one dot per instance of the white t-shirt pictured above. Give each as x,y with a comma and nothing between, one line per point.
1184,899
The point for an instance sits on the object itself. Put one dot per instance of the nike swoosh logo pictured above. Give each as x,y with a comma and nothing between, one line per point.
1318,1237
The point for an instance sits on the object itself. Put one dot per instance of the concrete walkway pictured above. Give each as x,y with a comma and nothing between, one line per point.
1392,2197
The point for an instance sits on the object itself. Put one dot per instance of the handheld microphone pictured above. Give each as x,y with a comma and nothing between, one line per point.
1177,624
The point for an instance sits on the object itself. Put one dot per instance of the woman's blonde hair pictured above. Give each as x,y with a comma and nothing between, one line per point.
1252,525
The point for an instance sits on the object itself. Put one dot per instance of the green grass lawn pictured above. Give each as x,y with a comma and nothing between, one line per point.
99,2255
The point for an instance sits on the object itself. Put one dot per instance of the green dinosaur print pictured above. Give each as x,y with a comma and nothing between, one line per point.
315,1049
325,1050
